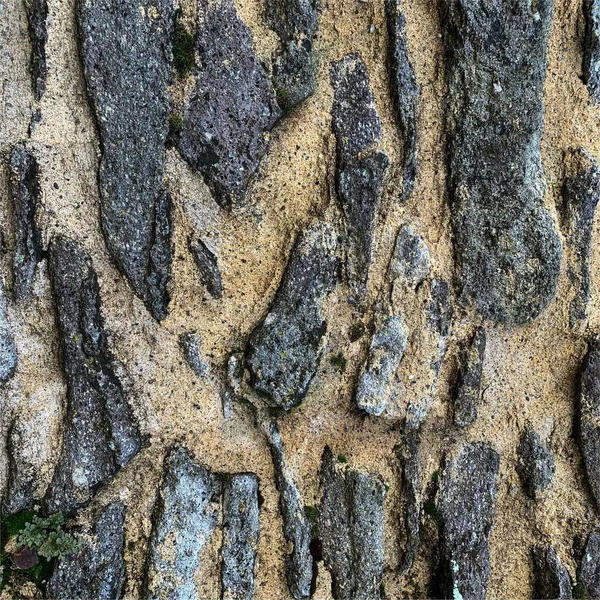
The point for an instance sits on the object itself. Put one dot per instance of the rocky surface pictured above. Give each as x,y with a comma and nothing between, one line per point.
536,464
191,344
96,570
294,62
126,54
591,53
240,535
8,350
285,349
588,409
351,529
206,261
507,249
589,567
405,91
100,434
468,388
580,195
410,494
229,114
467,509
297,528
185,518
411,258
551,578
37,14
360,167
26,196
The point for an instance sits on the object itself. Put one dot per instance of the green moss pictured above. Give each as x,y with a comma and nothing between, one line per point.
579,591
431,510
435,477
339,361
183,50
312,514
342,458
11,525
175,124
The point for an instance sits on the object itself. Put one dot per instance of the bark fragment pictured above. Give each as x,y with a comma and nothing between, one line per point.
37,13
467,509
536,464
468,391
507,248
126,53
97,570
580,193
206,261
294,62
100,434
360,167
284,350
351,528
232,108
405,92
551,579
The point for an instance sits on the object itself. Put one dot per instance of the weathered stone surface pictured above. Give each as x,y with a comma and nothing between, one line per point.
296,526
535,465
232,108
185,518
26,196
191,344
467,510
206,261
37,13
126,52
240,535
100,435
551,579
507,248
468,389
8,351
589,567
376,383
405,92
351,529
580,194
294,63
411,259
97,570
588,417
591,53
360,168
284,350
410,494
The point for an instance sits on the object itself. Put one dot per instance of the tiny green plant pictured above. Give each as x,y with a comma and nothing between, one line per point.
183,50
47,537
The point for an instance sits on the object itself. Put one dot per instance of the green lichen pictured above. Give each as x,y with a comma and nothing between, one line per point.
183,50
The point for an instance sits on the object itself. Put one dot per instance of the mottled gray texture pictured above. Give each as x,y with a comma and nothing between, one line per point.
37,13
409,456
468,388
580,195
100,435
191,345
126,53
589,567
377,385
351,530
8,351
285,349
360,168
97,571
185,517
588,417
240,535
591,50
411,258
507,249
405,92
467,510
232,108
296,525
22,478
536,465
294,61
206,261
551,579
26,197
